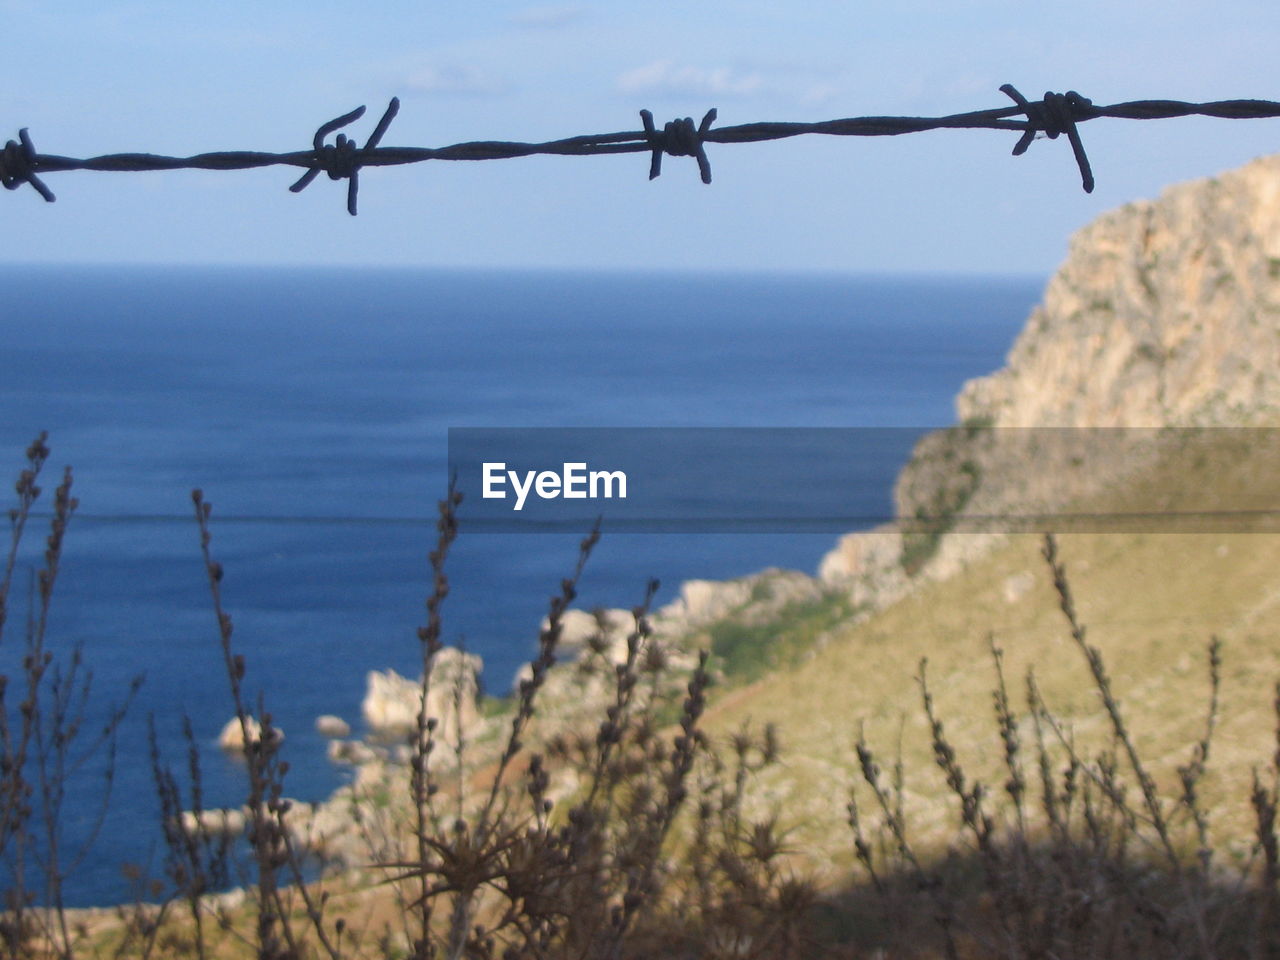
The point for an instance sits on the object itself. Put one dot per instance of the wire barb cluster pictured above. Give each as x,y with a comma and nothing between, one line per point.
1056,114
342,159
679,139
18,166
1053,116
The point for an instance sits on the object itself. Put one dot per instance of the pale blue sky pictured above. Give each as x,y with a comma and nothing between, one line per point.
90,78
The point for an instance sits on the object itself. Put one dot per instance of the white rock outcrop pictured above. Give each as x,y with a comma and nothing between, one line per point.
231,738
867,564
214,823
753,598
704,601
584,635
333,727
579,629
391,702
354,752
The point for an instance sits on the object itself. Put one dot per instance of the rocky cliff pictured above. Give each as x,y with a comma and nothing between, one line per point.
1166,313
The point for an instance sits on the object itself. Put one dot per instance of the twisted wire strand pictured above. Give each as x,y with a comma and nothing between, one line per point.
1055,115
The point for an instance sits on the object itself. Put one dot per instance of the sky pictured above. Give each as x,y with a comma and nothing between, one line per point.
103,77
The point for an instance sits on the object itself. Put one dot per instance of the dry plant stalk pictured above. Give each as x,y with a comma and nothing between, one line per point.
44,741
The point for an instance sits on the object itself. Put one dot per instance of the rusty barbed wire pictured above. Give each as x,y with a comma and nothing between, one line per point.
1054,115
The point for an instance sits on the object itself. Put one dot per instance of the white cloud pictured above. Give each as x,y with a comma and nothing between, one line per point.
666,77
454,79
548,18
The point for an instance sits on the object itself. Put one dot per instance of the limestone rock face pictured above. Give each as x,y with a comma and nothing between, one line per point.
391,702
703,602
1165,312
389,706
579,628
868,564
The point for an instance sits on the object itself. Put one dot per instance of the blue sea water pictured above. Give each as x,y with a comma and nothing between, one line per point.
312,408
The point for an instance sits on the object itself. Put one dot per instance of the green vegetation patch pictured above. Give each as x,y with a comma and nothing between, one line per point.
746,651
934,521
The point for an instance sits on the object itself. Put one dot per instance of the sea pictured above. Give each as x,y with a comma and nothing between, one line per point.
311,406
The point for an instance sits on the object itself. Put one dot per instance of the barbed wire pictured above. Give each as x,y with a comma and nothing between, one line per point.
1054,115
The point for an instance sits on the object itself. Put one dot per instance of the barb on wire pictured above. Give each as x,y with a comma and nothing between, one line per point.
342,159
18,166
679,139
1054,115
1057,113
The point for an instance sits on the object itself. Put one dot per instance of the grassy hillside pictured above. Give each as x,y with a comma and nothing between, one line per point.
1151,603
